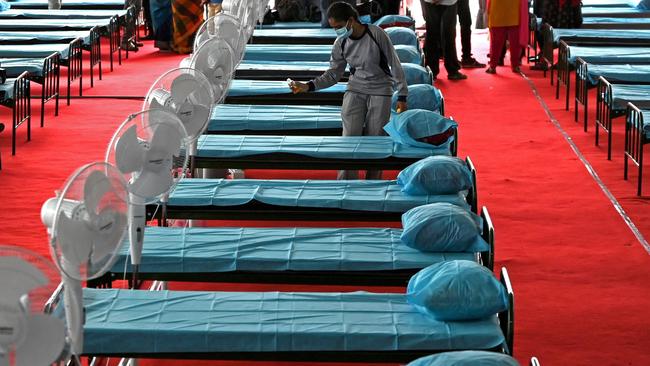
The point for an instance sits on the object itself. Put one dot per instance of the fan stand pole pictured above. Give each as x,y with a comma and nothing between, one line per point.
137,223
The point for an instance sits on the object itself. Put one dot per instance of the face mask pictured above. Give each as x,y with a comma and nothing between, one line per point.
365,19
344,32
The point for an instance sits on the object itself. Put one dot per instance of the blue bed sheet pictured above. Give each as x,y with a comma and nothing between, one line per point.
287,52
7,89
619,73
371,195
234,117
227,249
16,66
290,25
332,147
119,321
560,33
284,65
606,20
608,11
609,54
34,50
322,33
610,3
51,24
62,14
45,36
624,93
241,87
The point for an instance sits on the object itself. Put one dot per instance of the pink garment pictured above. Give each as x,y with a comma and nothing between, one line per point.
498,36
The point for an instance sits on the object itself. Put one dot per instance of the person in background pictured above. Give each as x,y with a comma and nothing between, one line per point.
507,19
467,61
214,7
187,17
161,20
481,15
148,24
375,71
440,17
562,13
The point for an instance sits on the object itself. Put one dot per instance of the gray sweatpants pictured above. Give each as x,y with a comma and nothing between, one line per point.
364,115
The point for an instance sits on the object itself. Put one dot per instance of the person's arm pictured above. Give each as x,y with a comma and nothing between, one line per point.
399,80
329,77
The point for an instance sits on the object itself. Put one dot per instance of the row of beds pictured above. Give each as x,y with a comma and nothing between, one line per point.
336,327
35,43
611,53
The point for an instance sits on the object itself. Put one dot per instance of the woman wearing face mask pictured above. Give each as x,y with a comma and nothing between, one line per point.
375,71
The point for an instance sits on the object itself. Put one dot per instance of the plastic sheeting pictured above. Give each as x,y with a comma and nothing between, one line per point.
421,96
54,36
289,25
408,54
33,50
228,249
119,321
614,20
62,14
560,33
284,65
332,147
403,36
322,33
392,20
45,24
241,87
466,358
609,11
609,54
414,124
610,3
436,175
233,117
442,227
371,195
618,73
624,93
457,290
287,52
416,74
16,66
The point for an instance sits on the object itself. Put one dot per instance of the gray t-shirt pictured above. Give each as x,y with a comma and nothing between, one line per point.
363,55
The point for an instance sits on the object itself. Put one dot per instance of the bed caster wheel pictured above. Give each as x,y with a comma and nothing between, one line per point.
236,174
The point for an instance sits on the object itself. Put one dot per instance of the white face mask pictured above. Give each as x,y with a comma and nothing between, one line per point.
343,32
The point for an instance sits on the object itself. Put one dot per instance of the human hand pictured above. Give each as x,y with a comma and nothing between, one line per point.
402,107
298,87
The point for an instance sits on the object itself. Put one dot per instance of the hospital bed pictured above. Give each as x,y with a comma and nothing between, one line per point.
15,94
612,100
587,75
278,92
307,200
279,326
637,135
69,4
311,152
289,52
323,256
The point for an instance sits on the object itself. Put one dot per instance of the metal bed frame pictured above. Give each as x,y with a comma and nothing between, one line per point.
21,108
605,113
635,140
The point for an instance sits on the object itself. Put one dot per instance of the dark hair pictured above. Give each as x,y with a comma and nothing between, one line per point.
342,11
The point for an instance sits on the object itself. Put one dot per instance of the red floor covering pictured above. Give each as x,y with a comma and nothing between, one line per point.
578,272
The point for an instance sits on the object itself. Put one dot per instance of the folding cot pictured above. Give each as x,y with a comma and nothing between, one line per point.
612,100
289,52
15,94
307,200
278,92
69,4
637,135
335,256
279,326
311,152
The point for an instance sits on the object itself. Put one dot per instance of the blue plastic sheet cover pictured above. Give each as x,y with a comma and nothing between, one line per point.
371,195
63,14
284,65
560,33
228,249
624,93
423,96
289,25
287,52
242,87
54,36
7,89
392,20
619,73
119,321
610,3
33,50
44,24
605,11
416,74
16,66
403,36
332,147
237,117
408,54
466,358
406,127
457,290
644,5
324,33
4,5
609,54
609,20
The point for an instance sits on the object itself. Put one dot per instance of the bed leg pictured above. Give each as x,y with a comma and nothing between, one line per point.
586,110
43,106
568,88
609,138
640,178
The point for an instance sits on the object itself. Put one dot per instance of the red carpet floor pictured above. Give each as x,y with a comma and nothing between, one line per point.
580,275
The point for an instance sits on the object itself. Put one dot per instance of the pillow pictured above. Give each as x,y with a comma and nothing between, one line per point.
408,127
456,291
466,358
435,175
443,227
408,54
404,36
392,20
644,5
422,96
416,74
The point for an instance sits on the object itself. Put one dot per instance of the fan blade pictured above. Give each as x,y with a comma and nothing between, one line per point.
43,342
112,226
194,118
75,239
129,153
96,186
155,104
166,141
18,277
151,184
183,86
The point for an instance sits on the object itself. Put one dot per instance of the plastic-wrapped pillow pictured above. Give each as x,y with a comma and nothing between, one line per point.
403,36
457,290
408,54
4,5
392,20
422,96
435,175
407,127
643,4
466,358
443,227
416,74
